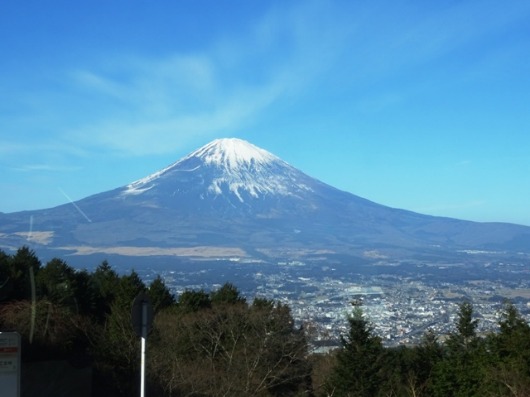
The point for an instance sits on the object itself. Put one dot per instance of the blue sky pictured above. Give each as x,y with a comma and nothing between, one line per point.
412,104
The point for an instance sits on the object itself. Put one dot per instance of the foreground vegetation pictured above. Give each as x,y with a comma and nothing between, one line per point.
216,343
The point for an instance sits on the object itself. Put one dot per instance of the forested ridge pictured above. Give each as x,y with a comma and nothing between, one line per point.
219,344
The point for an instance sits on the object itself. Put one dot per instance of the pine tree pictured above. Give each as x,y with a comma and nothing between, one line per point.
105,281
56,282
227,294
510,348
464,367
192,301
357,372
6,284
160,295
466,326
24,266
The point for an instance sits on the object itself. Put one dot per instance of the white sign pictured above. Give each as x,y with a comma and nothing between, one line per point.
10,364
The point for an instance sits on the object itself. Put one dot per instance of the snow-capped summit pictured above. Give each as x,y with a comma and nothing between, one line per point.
229,166
232,198
233,154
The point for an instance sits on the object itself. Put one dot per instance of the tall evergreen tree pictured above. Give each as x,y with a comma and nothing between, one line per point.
6,284
24,266
160,295
462,370
56,282
510,347
227,294
105,281
466,326
359,361
117,347
86,293
430,354
193,301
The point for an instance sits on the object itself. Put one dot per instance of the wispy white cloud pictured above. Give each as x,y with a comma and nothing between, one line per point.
161,103
161,136
167,102
44,157
43,167
138,104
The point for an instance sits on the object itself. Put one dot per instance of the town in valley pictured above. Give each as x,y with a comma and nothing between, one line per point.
402,300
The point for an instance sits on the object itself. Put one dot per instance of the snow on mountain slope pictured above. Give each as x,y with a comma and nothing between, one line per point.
232,194
231,165
234,155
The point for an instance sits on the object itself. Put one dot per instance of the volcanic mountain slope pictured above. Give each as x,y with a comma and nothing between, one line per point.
231,198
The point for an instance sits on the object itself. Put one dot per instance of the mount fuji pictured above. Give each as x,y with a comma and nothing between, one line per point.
231,199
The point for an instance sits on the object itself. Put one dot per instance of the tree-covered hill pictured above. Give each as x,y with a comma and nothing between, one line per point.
218,343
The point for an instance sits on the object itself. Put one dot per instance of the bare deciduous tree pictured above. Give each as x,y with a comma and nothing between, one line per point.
231,349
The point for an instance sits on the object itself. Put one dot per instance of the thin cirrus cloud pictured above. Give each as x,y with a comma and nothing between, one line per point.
160,103
46,156
44,167
136,104
156,120
154,112
154,136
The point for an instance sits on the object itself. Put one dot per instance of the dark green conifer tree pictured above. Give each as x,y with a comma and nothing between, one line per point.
24,266
56,282
359,361
160,295
462,370
105,281
193,301
227,294
510,350
117,348
6,284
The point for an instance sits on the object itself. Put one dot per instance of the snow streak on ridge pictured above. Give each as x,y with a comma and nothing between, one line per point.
233,166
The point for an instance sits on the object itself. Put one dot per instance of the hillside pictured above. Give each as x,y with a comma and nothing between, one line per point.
230,198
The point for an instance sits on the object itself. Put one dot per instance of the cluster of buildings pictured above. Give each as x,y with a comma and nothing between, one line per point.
401,306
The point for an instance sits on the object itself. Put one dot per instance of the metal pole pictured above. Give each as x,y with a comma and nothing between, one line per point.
144,336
